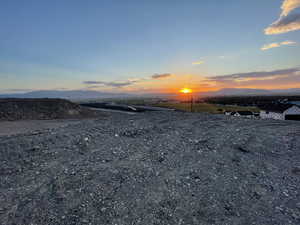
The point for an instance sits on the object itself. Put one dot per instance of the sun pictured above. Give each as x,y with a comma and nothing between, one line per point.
186,90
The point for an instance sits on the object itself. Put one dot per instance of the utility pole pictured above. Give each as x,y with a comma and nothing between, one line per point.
192,102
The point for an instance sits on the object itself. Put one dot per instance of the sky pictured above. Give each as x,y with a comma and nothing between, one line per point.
144,46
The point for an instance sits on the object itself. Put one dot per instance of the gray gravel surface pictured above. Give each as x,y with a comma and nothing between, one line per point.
8,128
153,168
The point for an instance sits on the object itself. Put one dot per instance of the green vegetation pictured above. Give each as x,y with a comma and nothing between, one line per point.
205,107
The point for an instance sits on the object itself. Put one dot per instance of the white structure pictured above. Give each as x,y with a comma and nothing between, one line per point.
281,113
292,113
229,113
264,114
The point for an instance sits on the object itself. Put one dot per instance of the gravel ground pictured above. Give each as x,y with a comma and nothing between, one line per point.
153,168
8,128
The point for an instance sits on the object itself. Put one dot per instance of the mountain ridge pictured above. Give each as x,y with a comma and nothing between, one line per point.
87,94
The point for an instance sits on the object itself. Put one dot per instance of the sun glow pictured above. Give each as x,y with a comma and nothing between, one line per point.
186,90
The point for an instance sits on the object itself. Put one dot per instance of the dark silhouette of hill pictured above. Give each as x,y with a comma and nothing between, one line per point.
24,109
70,94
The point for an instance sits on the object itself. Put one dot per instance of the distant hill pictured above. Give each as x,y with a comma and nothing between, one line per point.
85,94
37,109
250,92
74,94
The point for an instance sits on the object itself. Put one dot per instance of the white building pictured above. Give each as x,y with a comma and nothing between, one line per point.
282,112
292,113
266,114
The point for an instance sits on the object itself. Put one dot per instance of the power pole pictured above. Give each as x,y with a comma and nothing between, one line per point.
192,103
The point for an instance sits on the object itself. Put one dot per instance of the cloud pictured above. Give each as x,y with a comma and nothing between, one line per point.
110,84
288,43
262,75
128,82
288,6
198,63
160,76
262,79
284,25
287,22
277,44
272,45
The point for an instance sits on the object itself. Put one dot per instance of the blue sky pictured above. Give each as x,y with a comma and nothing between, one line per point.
63,44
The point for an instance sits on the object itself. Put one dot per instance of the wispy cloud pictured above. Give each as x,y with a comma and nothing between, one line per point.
287,22
198,62
288,6
110,84
277,78
277,45
284,25
256,75
126,83
160,76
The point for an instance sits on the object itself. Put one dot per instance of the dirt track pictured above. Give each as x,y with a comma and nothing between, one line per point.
153,168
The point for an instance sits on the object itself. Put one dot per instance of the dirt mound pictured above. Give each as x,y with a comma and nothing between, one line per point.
38,109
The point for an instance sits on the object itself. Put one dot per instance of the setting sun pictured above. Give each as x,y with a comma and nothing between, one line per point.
186,90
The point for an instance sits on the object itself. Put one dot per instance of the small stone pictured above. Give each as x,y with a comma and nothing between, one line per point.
285,192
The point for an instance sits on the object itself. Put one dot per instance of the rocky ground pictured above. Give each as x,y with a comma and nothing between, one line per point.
153,168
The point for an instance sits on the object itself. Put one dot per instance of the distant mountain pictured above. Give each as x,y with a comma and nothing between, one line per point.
74,94
240,91
85,94
291,90
250,92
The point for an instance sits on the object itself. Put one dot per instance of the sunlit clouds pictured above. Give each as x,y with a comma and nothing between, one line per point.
128,83
288,20
116,84
161,76
277,45
288,6
198,62
286,78
171,83
284,25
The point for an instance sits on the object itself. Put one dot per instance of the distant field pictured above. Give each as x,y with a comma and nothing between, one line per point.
198,107
205,107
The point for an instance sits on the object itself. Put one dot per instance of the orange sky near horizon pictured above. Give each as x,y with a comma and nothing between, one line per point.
198,83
